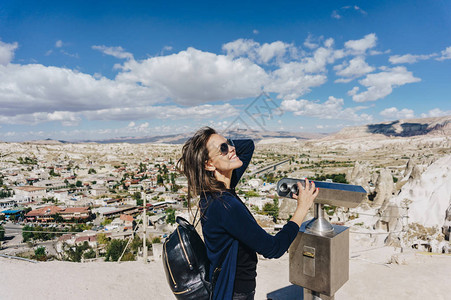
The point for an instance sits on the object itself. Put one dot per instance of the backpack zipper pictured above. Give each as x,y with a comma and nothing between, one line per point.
169,267
184,251
182,292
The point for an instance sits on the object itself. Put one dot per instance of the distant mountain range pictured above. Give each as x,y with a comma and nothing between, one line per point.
237,134
398,128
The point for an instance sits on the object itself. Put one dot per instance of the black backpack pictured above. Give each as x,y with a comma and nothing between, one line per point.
186,263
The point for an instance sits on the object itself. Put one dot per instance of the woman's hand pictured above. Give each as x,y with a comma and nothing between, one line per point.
305,198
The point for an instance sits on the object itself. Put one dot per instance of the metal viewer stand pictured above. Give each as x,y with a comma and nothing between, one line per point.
319,256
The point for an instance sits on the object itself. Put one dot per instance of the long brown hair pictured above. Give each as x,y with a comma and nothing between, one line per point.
192,165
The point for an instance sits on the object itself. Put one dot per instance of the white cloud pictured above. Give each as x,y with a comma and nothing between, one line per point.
329,42
394,113
381,84
162,112
335,15
360,10
117,52
67,118
296,78
59,44
7,52
37,88
241,47
408,58
64,117
257,52
331,109
436,112
353,91
143,126
269,51
35,93
445,54
360,46
311,43
292,81
75,55
191,77
356,67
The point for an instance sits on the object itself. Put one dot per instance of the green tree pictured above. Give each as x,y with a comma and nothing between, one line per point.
170,216
128,256
79,183
5,193
2,233
89,254
106,222
26,234
40,254
102,239
251,193
76,253
159,179
115,249
52,173
272,209
92,171
57,218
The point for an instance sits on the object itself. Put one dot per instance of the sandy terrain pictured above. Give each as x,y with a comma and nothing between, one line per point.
418,276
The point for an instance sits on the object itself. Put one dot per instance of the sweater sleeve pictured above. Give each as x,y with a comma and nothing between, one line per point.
242,226
244,150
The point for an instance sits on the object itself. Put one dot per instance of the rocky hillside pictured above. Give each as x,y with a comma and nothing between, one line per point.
236,133
400,128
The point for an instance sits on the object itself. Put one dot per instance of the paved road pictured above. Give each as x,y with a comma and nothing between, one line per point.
13,241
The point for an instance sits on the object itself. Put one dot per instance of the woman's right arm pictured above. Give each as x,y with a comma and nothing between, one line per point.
244,150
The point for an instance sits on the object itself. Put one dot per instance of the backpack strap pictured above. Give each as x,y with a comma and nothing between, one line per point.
195,216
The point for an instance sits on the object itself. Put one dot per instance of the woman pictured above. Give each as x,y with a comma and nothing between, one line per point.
213,167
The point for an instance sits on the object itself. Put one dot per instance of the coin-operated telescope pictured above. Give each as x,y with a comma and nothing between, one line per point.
319,256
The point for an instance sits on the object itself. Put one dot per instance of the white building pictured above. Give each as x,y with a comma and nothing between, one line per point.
29,193
255,183
7,203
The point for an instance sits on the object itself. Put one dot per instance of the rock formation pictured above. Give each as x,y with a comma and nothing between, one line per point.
384,188
286,207
427,195
360,175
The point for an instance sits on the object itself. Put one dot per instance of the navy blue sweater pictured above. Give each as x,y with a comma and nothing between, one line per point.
226,221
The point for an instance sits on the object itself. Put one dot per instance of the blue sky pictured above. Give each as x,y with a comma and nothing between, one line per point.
101,69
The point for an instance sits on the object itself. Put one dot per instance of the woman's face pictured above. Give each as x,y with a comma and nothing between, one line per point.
219,161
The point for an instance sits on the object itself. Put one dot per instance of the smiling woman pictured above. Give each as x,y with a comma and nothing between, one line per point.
213,166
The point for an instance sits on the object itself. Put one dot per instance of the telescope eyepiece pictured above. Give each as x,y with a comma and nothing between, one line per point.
283,187
294,189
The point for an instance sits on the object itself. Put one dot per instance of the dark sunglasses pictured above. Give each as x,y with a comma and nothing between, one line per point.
224,147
